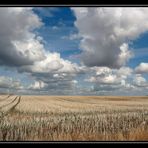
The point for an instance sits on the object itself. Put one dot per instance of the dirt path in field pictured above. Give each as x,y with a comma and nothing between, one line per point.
7,97
5,105
12,105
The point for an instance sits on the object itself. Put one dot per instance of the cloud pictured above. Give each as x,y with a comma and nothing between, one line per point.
123,80
38,85
106,32
50,63
107,79
54,74
107,75
18,44
54,71
105,52
140,81
142,68
57,86
104,75
124,55
21,47
9,83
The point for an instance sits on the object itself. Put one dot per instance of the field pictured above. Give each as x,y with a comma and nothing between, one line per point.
72,118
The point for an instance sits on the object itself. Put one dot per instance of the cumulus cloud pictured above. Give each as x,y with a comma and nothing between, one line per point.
7,82
140,81
55,72
104,79
57,86
18,44
107,79
105,75
106,32
142,68
37,85
21,47
124,72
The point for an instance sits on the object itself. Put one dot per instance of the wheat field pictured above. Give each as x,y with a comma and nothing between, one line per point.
72,118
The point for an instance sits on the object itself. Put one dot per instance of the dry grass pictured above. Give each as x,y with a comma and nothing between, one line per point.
73,118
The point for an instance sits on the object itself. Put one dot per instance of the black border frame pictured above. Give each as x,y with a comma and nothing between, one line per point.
71,3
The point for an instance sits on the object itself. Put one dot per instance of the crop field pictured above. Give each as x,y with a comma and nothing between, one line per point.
72,118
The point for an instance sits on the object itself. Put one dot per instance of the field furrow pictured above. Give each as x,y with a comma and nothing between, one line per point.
73,118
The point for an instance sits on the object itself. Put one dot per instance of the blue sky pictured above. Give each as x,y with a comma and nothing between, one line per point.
58,26
140,49
74,51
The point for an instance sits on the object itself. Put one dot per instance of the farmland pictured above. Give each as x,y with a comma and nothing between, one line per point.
72,118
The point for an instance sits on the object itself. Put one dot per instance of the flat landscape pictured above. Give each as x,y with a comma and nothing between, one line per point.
72,118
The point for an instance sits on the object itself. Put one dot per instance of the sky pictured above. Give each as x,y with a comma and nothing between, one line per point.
74,50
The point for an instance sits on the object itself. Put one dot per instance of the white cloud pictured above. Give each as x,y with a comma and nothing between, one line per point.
21,47
7,82
124,55
58,74
106,32
53,64
102,75
142,68
50,63
107,79
108,75
18,44
124,72
140,81
38,85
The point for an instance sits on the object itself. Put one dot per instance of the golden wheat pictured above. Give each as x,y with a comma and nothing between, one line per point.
73,118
